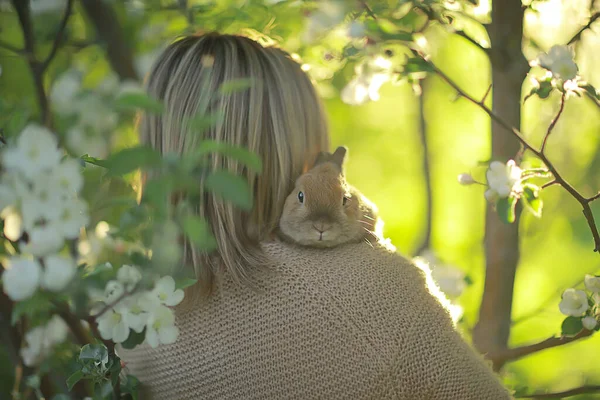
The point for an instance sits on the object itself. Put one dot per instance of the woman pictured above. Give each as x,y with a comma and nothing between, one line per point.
273,320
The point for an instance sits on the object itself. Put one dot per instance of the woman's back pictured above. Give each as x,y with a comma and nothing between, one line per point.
350,322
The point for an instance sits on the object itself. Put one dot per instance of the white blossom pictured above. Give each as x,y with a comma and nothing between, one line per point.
370,76
40,340
451,280
35,152
559,60
109,85
466,179
95,114
573,303
592,283
85,141
113,291
73,216
67,177
589,322
112,326
129,276
58,272
165,291
22,278
503,180
356,29
65,90
130,87
43,240
8,197
133,311
161,327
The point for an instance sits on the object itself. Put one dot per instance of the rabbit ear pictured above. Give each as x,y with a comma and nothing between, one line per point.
338,156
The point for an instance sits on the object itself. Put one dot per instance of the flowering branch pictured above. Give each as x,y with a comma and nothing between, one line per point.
561,395
583,201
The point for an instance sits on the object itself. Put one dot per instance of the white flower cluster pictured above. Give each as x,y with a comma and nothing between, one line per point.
98,242
371,74
39,197
503,179
40,340
96,118
559,61
141,310
575,303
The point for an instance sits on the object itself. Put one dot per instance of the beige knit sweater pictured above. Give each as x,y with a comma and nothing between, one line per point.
353,322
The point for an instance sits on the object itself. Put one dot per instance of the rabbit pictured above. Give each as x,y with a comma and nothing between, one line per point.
323,210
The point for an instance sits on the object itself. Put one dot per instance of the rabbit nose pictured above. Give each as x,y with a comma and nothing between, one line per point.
321,227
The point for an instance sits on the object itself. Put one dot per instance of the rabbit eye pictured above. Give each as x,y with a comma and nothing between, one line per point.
301,197
346,198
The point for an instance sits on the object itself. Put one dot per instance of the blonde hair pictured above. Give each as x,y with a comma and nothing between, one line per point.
279,117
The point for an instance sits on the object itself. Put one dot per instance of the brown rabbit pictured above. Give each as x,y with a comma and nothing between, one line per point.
323,210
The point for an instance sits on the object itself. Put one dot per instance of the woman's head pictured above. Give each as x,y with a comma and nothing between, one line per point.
279,117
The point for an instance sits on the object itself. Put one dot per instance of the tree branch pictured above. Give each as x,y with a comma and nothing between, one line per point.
522,351
587,26
561,395
23,12
547,184
59,36
111,34
554,121
368,10
426,172
587,212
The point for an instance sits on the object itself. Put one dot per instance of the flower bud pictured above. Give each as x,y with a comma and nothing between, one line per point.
589,323
465,179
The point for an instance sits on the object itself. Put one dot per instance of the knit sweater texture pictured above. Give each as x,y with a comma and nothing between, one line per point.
353,322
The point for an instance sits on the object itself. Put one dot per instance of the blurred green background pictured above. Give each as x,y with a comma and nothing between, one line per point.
386,154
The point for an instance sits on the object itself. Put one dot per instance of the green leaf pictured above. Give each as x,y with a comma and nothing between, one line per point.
115,370
416,65
183,283
571,326
62,396
134,339
130,159
95,352
543,90
198,231
73,379
532,199
92,160
139,101
506,209
240,154
591,90
201,123
130,386
235,85
230,187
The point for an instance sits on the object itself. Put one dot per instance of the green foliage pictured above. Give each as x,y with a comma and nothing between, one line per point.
198,231
249,159
130,159
236,85
141,101
134,339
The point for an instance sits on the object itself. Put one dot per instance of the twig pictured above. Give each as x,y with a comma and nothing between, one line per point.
587,212
59,36
487,92
547,184
12,48
554,121
587,26
594,197
426,173
368,10
560,395
522,351
114,303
